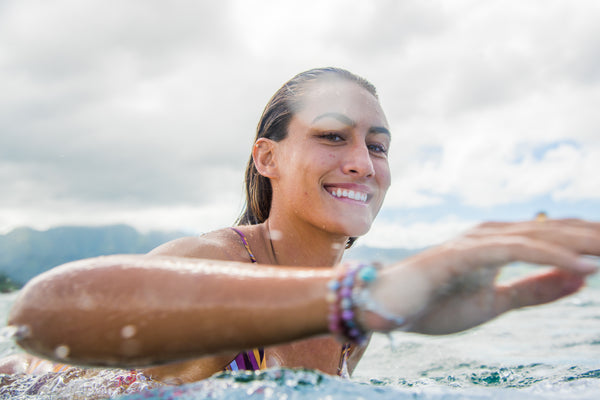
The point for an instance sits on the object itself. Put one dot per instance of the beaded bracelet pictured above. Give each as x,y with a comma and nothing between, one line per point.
349,291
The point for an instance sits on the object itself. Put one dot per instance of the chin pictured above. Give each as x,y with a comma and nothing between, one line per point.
355,228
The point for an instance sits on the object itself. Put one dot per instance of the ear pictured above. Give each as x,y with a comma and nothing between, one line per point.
263,154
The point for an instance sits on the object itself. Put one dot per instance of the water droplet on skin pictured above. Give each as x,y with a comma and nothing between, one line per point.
128,331
62,351
276,235
86,302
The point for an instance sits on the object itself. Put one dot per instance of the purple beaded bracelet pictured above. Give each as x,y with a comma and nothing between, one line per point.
342,316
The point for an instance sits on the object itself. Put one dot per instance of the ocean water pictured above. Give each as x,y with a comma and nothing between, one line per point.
546,352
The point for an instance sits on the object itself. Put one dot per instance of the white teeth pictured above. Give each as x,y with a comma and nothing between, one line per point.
350,194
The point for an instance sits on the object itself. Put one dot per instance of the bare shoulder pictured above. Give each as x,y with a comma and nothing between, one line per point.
222,244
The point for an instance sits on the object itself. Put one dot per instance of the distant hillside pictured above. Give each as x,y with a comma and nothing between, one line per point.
25,252
385,256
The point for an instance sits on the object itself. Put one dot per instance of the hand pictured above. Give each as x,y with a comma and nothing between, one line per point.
453,286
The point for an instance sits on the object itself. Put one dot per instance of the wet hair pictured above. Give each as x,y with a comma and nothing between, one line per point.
273,124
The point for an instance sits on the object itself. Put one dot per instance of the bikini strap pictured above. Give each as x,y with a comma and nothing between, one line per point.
252,360
246,245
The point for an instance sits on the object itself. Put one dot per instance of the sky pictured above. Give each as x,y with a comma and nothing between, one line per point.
144,112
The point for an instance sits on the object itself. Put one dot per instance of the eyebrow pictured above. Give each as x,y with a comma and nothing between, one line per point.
340,117
380,129
348,121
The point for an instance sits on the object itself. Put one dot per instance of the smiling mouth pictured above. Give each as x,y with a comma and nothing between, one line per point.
348,194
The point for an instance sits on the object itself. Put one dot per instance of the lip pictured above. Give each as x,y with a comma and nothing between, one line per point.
352,192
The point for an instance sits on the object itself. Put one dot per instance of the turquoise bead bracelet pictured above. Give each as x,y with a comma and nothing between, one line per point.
348,292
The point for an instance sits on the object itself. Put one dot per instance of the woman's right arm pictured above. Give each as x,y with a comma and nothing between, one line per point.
145,310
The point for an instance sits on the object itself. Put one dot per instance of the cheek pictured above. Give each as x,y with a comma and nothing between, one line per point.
322,162
384,175
328,161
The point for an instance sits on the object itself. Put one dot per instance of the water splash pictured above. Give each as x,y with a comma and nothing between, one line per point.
14,332
467,382
276,383
74,383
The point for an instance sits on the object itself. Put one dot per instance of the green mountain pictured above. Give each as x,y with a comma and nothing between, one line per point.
6,284
382,255
25,252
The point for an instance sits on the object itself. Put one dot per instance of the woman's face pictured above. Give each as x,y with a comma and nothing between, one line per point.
333,165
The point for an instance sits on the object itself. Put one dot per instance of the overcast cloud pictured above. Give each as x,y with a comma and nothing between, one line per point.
143,112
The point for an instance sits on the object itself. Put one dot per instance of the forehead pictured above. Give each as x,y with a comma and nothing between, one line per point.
341,97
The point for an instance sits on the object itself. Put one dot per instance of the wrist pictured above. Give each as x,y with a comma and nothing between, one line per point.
358,303
374,310
394,300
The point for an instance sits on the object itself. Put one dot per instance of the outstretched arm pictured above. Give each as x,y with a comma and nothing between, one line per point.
143,310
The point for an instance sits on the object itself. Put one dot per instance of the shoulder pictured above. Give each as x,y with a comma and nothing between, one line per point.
222,244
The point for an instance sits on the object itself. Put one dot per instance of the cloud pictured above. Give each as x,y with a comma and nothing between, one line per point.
585,184
414,235
485,164
145,106
500,82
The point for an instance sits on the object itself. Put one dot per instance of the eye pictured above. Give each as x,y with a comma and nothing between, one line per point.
332,137
378,148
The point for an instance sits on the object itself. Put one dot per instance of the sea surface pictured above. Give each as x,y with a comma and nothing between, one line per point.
546,352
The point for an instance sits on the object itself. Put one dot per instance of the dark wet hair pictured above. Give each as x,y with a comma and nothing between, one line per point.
273,124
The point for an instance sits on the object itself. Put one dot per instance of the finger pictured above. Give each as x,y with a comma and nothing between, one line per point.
448,263
496,251
580,236
537,289
565,222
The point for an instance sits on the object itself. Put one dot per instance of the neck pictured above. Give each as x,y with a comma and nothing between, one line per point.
303,246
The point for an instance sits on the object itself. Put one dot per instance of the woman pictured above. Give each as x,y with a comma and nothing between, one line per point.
316,179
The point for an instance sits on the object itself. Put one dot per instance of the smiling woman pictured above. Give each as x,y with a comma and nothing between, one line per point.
272,292
338,140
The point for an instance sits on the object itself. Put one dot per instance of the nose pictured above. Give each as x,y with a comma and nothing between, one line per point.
358,161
